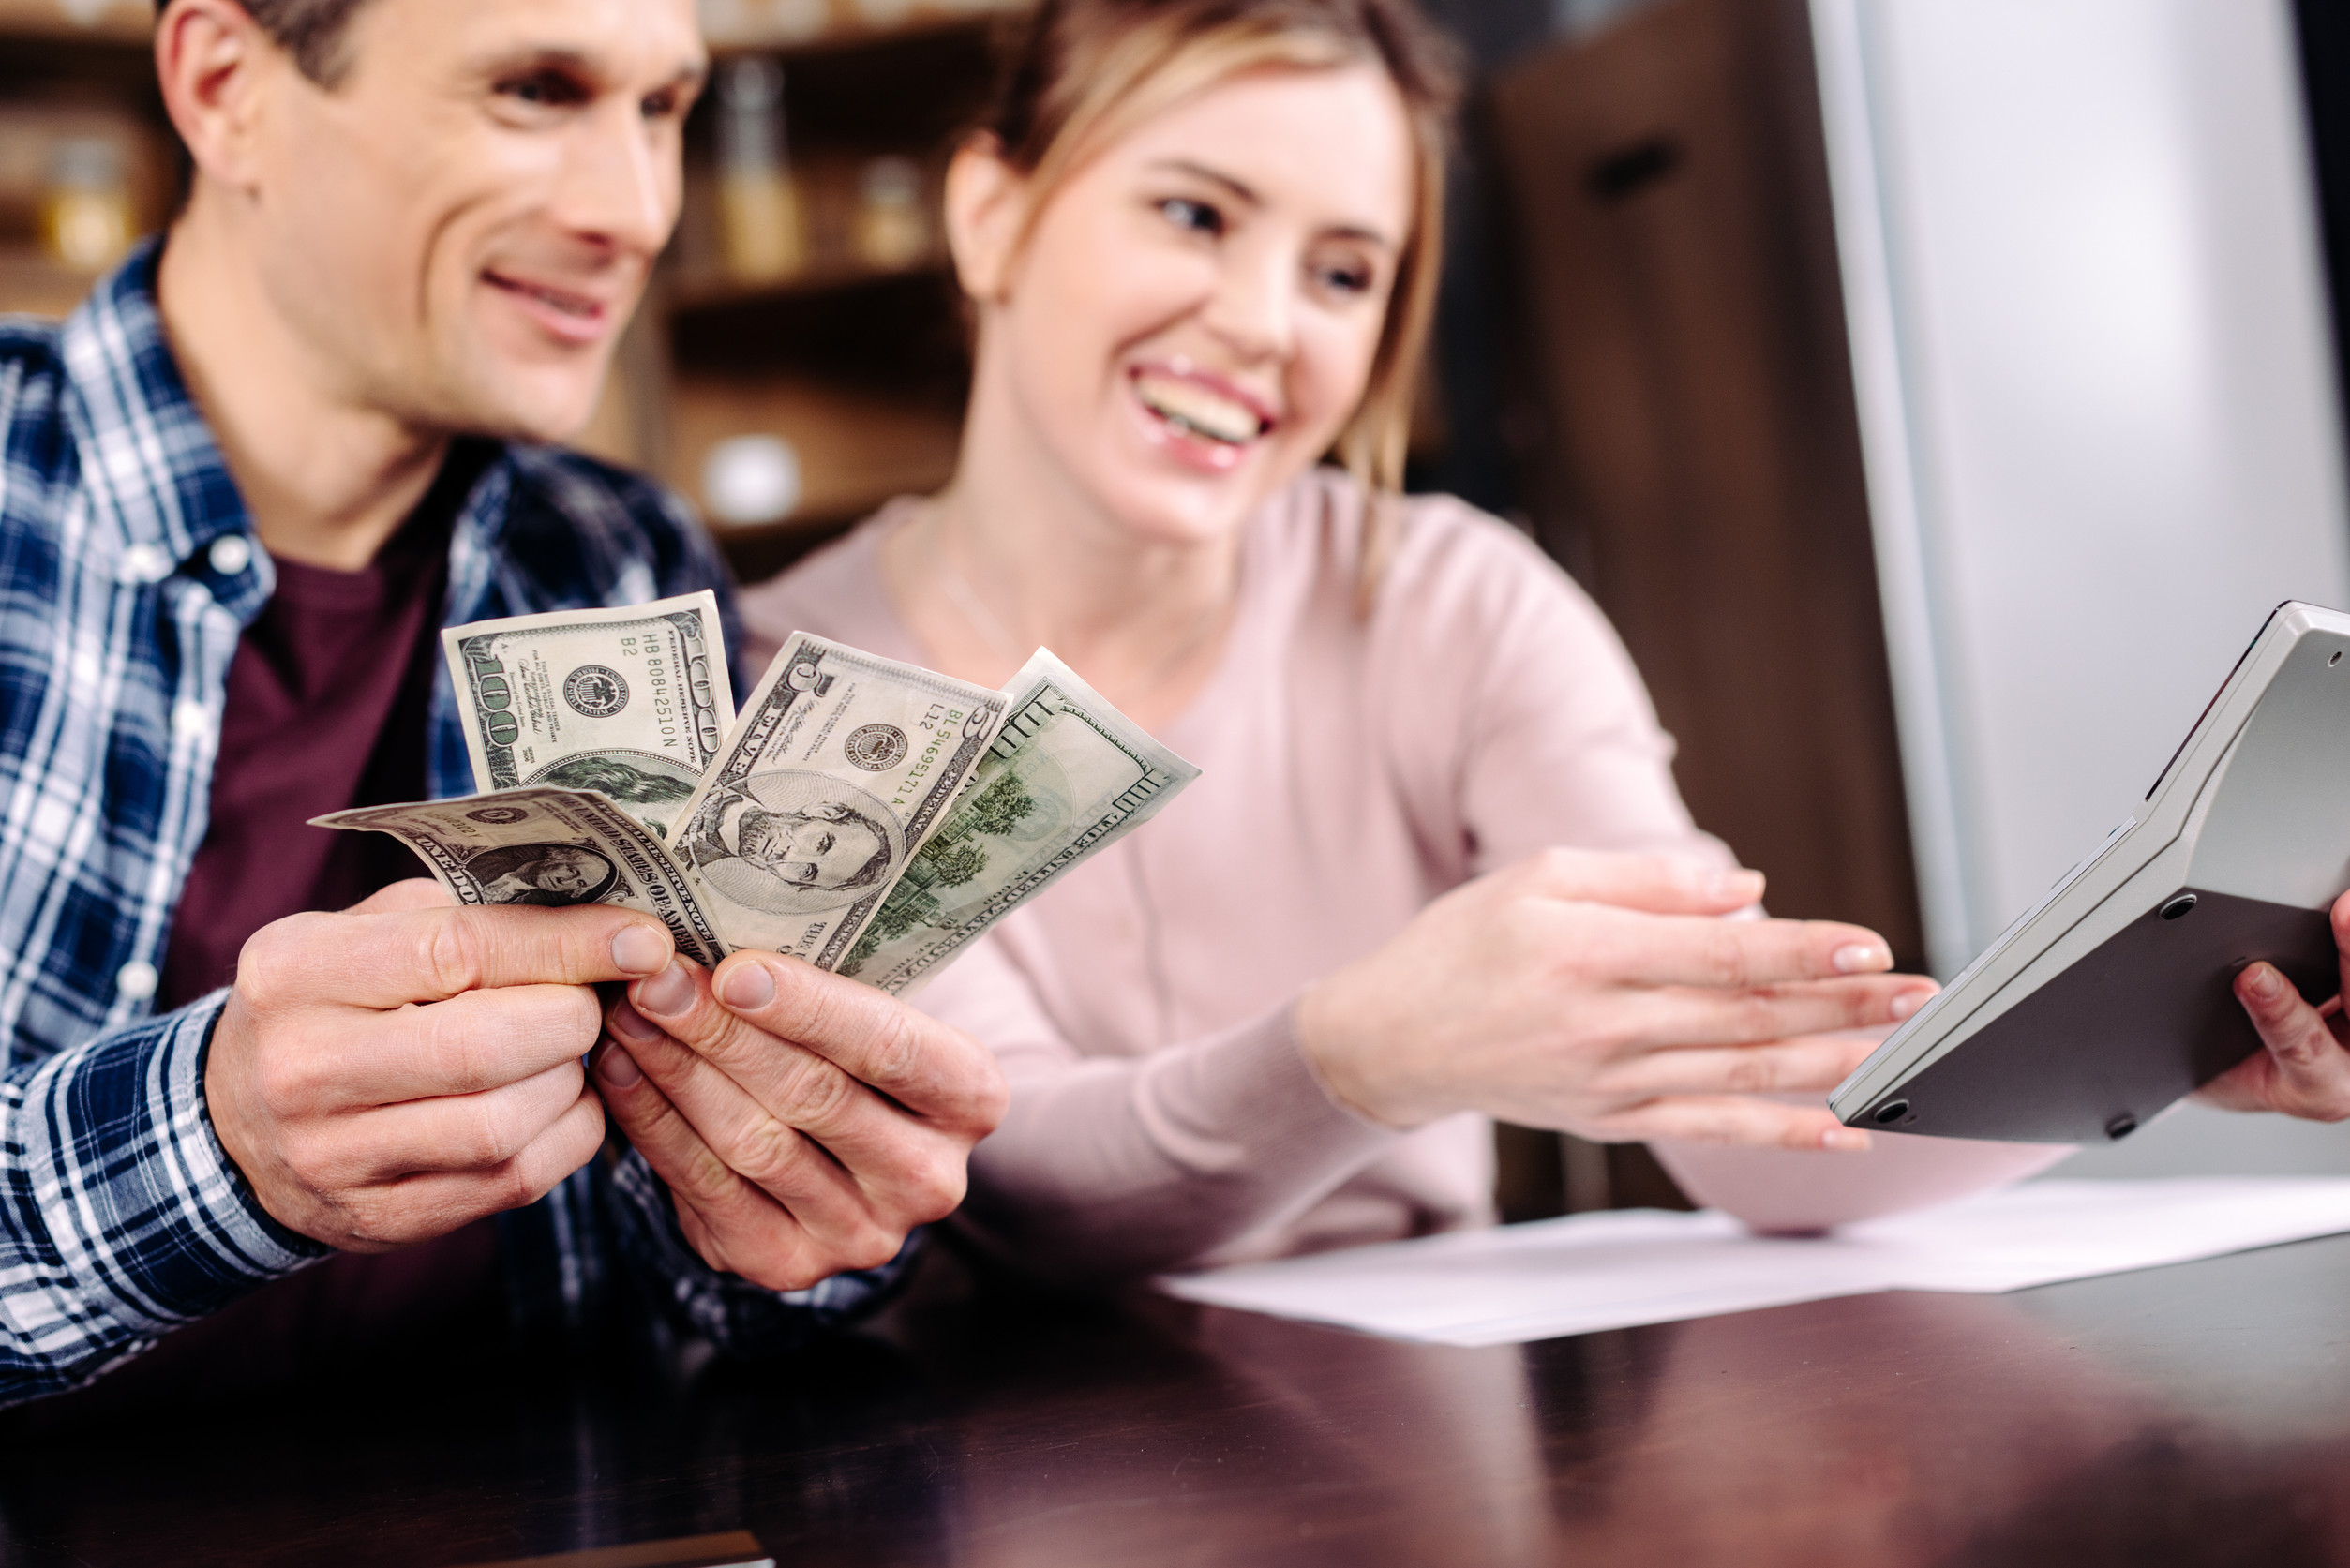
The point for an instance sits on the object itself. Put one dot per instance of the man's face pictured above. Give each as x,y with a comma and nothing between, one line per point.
805,851
462,224
561,874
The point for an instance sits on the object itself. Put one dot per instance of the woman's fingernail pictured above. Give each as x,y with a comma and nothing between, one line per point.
1854,957
1909,1002
627,1022
639,949
1743,885
748,987
619,1068
669,991
1844,1140
2265,981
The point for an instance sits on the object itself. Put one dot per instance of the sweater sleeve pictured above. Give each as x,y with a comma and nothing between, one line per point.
1555,741
1114,1166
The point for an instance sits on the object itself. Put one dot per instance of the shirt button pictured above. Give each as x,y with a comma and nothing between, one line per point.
146,563
190,719
136,979
230,554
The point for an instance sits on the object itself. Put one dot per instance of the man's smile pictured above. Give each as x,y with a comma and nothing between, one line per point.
565,313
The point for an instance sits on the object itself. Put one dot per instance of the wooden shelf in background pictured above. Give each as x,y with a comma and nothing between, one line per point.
711,292
125,22
791,26
33,285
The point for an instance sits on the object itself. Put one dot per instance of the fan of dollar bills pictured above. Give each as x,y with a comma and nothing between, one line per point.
867,816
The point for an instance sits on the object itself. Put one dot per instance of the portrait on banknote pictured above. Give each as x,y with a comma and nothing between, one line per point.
794,841
551,874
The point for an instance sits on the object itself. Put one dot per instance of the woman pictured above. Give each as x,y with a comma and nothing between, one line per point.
1199,237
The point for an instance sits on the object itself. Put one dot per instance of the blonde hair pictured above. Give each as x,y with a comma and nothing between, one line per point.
1086,72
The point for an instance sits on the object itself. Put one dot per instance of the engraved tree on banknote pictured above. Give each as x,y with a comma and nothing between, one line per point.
955,857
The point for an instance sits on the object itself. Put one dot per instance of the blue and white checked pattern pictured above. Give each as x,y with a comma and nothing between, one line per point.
120,1215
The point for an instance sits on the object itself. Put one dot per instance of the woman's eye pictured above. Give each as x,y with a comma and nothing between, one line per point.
1346,279
1198,216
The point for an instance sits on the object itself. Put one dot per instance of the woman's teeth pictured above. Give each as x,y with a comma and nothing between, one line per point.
1192,408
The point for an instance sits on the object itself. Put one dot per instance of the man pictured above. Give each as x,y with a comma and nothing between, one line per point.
771,856
549,874
240,490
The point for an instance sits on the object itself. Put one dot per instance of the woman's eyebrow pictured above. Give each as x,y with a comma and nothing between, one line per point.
1244,192
1213,176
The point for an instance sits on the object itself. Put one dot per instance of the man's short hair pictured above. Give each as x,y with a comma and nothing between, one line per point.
309,30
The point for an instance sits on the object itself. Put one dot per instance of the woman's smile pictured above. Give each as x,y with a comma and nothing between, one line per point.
1198,418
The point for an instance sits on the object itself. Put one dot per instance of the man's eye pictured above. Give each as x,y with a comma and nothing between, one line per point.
544,90
1198,216
824,843
663,105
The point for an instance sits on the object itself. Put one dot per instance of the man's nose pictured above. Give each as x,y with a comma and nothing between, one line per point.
620,183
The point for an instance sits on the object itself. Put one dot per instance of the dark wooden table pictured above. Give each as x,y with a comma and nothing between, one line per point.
2190,1415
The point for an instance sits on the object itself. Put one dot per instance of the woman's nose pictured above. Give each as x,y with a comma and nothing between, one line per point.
1253,308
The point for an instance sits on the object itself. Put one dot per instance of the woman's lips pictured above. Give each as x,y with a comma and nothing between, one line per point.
1206,424
575,318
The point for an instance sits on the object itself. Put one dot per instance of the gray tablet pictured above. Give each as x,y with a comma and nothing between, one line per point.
2110,998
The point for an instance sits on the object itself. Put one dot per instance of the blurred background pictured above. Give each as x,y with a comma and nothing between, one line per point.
1936,393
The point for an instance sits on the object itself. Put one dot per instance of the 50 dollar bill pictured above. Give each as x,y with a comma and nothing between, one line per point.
837,769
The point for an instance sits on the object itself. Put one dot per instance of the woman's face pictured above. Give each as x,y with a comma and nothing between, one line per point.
1196,313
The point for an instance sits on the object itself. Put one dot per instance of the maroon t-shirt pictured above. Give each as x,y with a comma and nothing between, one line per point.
328,703
328,706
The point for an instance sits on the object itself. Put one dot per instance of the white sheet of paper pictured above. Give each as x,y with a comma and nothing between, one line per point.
1615,1270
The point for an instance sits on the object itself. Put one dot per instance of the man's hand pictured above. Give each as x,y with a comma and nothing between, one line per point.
2305,1070
803,1123
385,1075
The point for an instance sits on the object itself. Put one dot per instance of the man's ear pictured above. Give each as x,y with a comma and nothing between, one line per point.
986,210
211,60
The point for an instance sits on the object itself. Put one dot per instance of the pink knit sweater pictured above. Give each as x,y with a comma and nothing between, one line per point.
1353,770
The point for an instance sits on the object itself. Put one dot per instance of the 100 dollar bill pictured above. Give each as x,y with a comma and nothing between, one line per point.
546,846
837,769
1067,776
632,703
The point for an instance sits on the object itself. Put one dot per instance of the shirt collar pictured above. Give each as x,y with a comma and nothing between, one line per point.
160,488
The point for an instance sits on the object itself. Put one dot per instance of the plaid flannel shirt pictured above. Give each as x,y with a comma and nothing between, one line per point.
129,571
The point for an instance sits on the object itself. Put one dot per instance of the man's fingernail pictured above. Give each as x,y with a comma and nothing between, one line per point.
751,986
2265,981
669,991
1844,1140
627,1022
1854,957
619,1068
639,949
1909,1002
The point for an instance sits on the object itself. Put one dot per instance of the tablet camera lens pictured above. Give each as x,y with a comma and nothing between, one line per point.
2121,1127
2171,911
1892,1111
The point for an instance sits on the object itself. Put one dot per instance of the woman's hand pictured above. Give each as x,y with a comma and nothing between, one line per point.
2305,1070
1604,995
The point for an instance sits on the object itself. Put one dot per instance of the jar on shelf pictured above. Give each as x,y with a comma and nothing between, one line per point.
762,238
87,217
892,230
